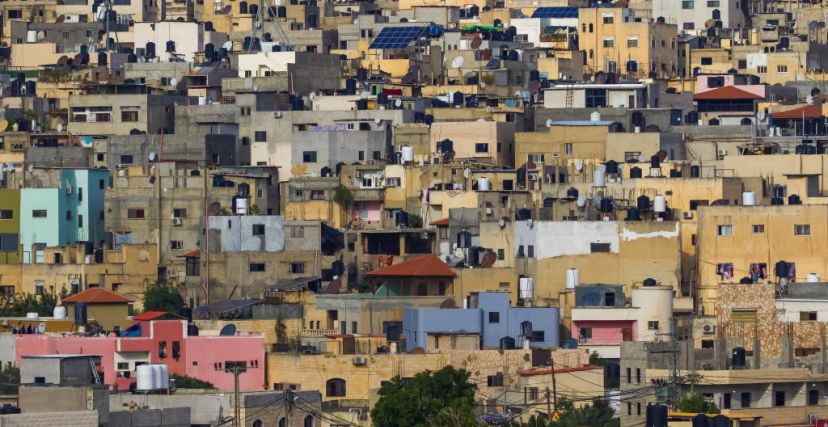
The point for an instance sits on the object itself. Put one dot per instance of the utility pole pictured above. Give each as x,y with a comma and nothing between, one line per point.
548,405
236,368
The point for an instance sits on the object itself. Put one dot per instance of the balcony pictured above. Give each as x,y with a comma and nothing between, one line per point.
318,332
369,194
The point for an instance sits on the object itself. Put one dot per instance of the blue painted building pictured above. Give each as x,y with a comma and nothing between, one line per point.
491,317
70,213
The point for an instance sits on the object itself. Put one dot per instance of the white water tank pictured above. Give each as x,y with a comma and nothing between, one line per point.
202,100
599,178
812,278
407,153
31,36
595,116
32,316
573,278
660,204
145,377
59,313
638,129
162,376
526,288
748,198
242,205
483,184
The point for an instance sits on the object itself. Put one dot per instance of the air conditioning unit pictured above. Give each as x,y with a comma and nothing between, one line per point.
533,177
277,114
709,329
722,152
360,360
688,215
177,222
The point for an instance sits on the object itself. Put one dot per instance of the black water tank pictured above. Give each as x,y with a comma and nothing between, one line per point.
208,26
31,85
447,146
700,420
457,98
362,74
350,86
572,193
79,309
428,119
805,149
9,409
402,219
635,172
246,42
655,161
738,358
362,104
695,171
650,282
209,51
192,330
720,421
337,268
149,50
777,201
642,203
606,205
611,166
102,59
170,46
656,416
633,214
794,199
534,75
382,98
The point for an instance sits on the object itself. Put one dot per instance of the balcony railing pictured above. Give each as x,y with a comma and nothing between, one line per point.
318,332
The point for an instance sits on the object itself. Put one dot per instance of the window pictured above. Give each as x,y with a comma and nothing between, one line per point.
741,64
308,422
123,366
725,230
179,212
127,159
192,267
706,60
712,3
495,380
297,232
568,148
745,399
595,98
260,136
135,213
534,393
297,268
530,251
726,400
807,316
694,204
813,397
101,183
802,229
501,254
779,398
317,195
609,42
256,267
393,182
632,42
781,68
258,230
689,26
638,375
8,242
761,69
494,317
38,287
629,408
176,244
586,333
758,228
6,214
599,247
481,148
608,19
129,116
309,156
80,221
335,387
629,375
652,325
14,14
687,4
538,336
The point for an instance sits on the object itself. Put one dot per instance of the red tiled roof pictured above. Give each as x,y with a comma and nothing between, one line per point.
444,221
192,254
150,315
808,111
424,266
97,296
723,93
547,371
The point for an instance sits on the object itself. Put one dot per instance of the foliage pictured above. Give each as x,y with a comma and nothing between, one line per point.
431,398
160,297
697,403
9,379
343,197
183,381
21,304
599,414
415,221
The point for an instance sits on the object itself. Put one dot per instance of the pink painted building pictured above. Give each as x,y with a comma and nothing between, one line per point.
160,341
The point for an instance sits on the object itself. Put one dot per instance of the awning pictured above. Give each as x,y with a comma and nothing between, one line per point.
293,284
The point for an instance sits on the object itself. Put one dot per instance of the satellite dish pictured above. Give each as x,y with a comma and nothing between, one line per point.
398,102
30,168
59,127
228,45
312,95
151,156
10,167
760,116
549,123
467,173
228,330
41,327
364,94
41,35
458,252
482,85
809,99
87,141
581,202
173,81
15,126
457,62
377,120
579,164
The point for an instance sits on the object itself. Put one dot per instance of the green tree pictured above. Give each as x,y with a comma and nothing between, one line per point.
9,379
599,414
431,398
696,402
183,381
160,297
21,304
343,197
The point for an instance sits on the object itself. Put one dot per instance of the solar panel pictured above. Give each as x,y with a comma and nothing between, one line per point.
396,37
555,12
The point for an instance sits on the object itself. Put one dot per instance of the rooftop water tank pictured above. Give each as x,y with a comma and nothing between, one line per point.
59,313
595,116
145,377
526,288
483,184
573,277
748,198
407,153
812,278
660,204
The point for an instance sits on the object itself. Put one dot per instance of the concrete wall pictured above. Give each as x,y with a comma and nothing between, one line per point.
51,419
235,233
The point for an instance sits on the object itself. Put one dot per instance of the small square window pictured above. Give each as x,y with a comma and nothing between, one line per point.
297,268
481,148
725,230
501,254
256,267
261,136
494,317
758,228
652,325
258,229
176,244
802,229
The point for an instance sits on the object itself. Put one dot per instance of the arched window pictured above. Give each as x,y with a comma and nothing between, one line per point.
591,54
590,28
309,421
335,387
243,7
258,423
283,422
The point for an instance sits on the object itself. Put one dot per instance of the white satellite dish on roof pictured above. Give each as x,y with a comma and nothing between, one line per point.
579,164
457,62
549,123
809,99
581,202
398,102
760,116
173,81
30,168
228,45
482,85
312,95
59,127
41,35
377,120
151,156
